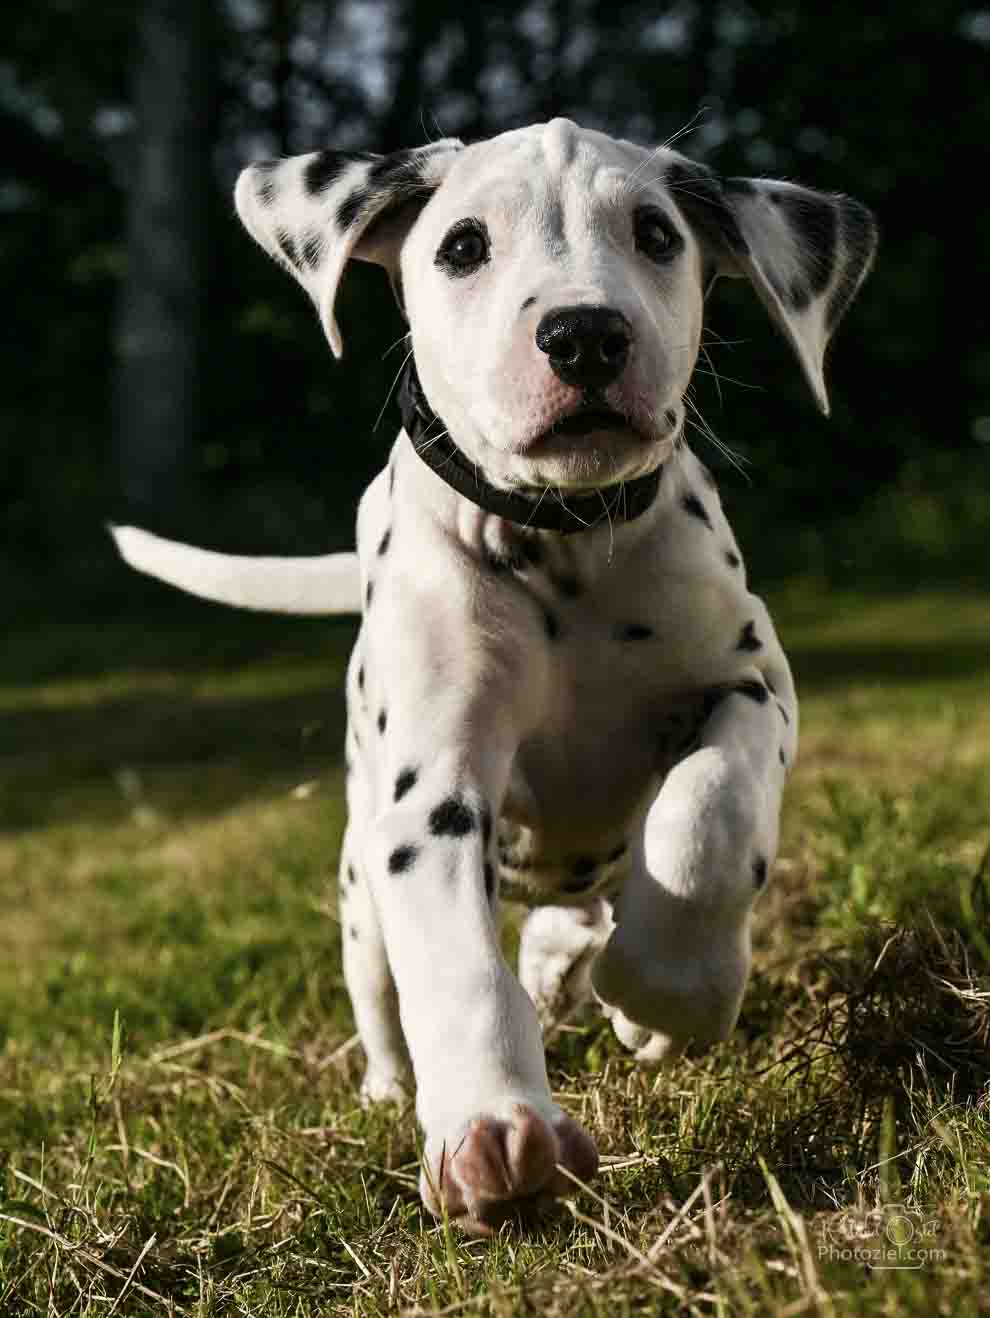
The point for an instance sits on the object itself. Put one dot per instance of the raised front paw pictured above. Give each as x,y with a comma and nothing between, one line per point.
495,1167
683,994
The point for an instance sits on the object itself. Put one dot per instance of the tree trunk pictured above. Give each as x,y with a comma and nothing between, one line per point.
159,328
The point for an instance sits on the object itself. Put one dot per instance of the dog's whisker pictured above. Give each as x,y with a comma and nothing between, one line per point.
630,179
704,429
664,146
722,343
687,128
728,379
398,376
422,448
536,505
393,347
713,373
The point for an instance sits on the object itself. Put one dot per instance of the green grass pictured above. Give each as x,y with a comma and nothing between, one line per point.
171,804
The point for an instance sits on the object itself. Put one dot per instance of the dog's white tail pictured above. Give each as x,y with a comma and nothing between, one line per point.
326,583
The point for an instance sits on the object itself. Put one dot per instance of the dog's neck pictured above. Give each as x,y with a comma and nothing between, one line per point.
610,505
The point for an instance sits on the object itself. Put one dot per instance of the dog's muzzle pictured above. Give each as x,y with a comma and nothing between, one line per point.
622,502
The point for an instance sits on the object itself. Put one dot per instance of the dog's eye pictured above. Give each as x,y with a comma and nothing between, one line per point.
656,237
464,248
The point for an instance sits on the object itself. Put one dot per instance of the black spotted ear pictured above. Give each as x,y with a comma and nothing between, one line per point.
314,213
806,253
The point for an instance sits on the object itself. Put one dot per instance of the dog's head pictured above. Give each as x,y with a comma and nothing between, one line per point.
554,281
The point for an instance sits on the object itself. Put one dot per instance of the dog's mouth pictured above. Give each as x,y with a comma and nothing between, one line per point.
592,417
587,419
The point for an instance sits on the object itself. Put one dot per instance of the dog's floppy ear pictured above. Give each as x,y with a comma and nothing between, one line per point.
314,212
806,253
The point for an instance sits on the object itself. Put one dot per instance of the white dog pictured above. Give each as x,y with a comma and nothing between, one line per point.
562,683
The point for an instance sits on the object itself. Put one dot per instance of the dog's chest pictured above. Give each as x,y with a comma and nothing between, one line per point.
629,654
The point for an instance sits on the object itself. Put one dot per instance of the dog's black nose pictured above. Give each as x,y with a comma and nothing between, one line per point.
587,346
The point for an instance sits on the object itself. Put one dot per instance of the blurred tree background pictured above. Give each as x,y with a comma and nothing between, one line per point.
157,366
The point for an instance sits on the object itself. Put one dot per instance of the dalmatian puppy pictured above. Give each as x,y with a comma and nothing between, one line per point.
562,687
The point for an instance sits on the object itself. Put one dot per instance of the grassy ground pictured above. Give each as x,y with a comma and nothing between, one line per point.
170,799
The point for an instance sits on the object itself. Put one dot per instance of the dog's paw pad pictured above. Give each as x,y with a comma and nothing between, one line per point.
501,1168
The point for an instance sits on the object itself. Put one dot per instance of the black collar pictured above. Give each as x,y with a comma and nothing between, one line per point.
621,502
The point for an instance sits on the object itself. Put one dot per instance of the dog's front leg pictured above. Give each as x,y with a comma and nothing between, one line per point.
494,1136
675,969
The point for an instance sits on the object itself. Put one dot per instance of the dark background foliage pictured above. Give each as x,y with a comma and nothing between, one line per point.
157,366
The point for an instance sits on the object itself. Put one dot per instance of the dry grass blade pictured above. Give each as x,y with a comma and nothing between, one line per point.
80,1251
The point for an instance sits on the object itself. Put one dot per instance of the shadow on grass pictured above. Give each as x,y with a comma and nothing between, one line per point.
176,753
73,756
189,636
898,660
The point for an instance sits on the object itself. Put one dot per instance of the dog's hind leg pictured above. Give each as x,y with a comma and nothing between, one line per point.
370,984
556,949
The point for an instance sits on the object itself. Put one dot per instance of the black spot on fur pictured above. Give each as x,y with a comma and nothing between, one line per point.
353,933
567,586
326,168
486,825
352,206
759,871
533,551
634,631
770,686
399,167
798,295
580,883
693,505
528,303
382,719
368,594
815,222
782,757
551,624
711,700
397,173
618,851
351,876
287,245
405,782
670,416
312,249
402,858
268,189
489,880
452,818
384,542
702,197
732,559
748,639
361,678
783,713
753,689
